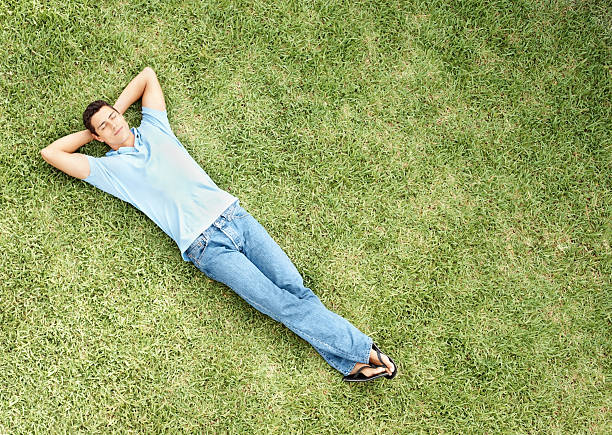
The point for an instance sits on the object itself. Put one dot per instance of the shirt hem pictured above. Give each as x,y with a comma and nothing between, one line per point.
205,227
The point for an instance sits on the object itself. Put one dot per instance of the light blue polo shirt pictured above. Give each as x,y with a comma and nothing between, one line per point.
159,178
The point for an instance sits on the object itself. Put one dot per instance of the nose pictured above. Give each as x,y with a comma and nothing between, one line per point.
113,124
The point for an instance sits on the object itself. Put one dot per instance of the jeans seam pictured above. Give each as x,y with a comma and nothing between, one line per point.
326,356
205,245
230,237
202,242
335,351
240,217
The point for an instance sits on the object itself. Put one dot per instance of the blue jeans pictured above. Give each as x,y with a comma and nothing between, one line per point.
237,251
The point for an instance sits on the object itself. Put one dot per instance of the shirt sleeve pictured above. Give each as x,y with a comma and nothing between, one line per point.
101,177
156,118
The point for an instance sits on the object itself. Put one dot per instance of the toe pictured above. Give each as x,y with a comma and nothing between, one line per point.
388,363
384,359
373,371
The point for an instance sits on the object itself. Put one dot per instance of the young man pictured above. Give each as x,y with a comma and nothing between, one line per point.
149,168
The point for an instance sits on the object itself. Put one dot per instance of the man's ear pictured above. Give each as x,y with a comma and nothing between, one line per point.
96,137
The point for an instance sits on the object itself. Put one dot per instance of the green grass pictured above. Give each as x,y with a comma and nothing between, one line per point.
440,172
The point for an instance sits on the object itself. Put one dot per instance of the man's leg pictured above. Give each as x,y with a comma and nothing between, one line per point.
259,247
340,343
267,256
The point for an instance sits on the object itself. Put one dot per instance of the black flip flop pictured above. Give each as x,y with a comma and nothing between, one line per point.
360,377
378,353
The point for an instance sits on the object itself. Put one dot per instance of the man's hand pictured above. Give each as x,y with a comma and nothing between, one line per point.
144,85
61,154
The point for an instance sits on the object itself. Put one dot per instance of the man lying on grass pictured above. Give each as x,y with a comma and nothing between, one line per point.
149,168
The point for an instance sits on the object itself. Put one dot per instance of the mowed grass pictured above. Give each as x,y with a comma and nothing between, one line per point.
438,171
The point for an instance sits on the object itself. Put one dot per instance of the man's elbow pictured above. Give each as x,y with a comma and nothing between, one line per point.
48,154
45,153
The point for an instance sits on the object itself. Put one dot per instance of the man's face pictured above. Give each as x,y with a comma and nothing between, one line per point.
111,127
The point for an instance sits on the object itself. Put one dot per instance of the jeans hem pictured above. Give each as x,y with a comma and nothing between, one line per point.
365,360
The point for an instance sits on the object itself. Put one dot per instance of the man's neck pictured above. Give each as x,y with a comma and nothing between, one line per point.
129,142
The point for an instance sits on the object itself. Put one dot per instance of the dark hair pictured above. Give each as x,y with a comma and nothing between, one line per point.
91,110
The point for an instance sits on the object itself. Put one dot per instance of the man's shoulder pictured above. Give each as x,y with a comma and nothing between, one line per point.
151,133
155,116
155,125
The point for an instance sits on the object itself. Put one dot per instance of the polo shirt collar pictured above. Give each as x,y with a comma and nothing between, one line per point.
128,150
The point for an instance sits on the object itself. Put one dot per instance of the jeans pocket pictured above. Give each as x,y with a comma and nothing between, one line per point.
239,213
197,253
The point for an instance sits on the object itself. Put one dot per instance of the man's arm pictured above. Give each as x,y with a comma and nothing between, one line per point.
61,154
144,85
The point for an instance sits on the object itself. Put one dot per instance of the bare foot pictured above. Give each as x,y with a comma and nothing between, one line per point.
371,371
385,360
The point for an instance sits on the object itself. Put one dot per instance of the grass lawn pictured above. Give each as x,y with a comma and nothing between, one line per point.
440,173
